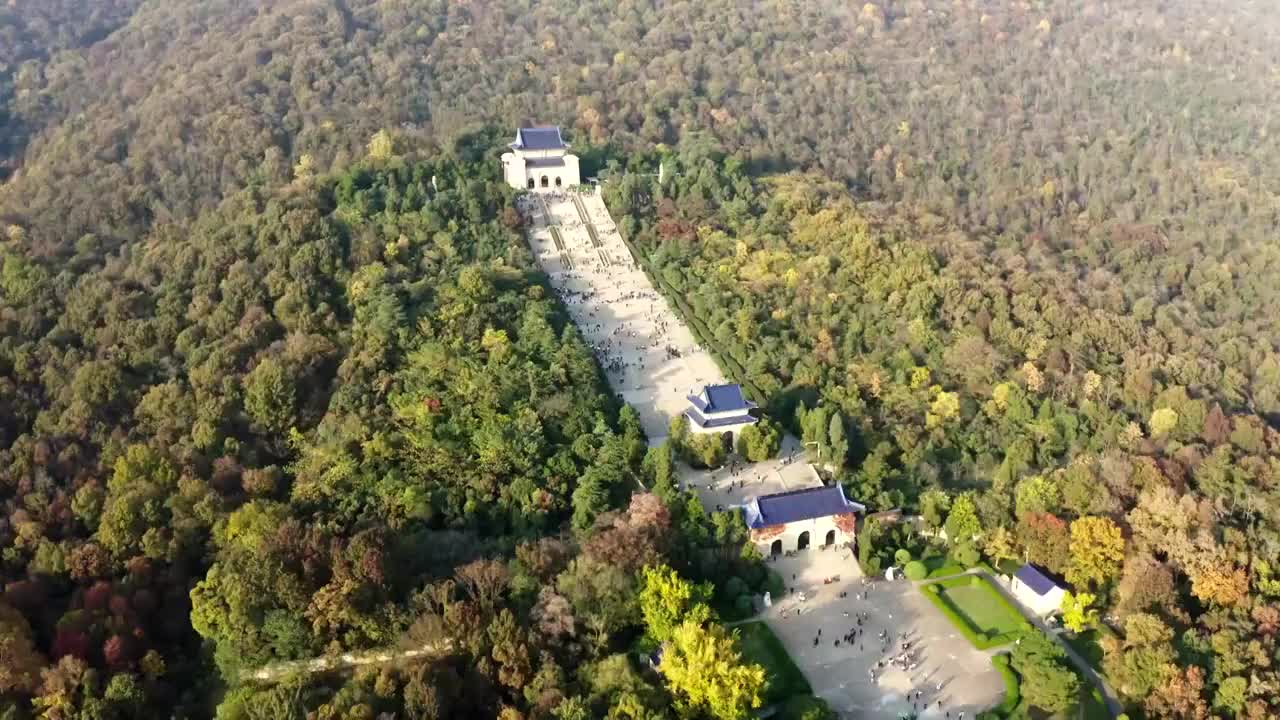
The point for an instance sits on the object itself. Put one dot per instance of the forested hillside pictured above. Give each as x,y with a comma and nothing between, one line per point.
1117,430
342,414
32,33
1032,120
251,363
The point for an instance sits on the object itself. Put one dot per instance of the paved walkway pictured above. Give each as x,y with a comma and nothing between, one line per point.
277,671
650,357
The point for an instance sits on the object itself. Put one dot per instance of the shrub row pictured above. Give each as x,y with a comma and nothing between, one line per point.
1012,692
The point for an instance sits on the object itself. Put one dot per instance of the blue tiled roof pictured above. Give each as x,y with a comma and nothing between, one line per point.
696,418
797,505
1031,576
720,398
539,138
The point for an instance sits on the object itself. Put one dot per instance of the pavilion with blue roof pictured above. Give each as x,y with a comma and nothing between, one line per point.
540,160
719,408
797,519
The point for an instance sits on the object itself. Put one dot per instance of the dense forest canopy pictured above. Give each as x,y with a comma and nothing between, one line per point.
252,362
1019,118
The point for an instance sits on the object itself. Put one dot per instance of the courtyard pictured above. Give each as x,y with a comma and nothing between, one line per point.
839,673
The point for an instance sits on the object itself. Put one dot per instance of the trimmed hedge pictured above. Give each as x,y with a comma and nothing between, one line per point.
1012,687
933,591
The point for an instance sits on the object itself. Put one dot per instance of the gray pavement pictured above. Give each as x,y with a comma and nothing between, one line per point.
839,674
650,357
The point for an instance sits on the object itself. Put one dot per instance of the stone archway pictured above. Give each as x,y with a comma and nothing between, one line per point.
545,182
531,183
776,547
802,543
831,538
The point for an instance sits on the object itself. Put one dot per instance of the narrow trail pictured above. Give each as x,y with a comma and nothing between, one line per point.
274,672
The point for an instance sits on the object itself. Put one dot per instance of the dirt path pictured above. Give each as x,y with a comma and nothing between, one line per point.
274,672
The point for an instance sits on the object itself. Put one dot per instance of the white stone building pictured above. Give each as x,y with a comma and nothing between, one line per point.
799,519
720,409
1036,590
540,160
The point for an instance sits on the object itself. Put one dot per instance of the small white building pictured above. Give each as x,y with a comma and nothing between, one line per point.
1036,590
540,160
798,519
719,408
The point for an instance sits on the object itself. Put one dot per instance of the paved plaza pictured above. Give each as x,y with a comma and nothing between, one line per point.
653,361
839,674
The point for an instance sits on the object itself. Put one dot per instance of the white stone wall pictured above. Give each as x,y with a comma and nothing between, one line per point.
517,173
1046,604
790,537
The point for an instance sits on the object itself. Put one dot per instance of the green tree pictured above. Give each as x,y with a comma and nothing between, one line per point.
1046,680
934,505
1163,421
269,396
760,441
1231,695
137,511
962,524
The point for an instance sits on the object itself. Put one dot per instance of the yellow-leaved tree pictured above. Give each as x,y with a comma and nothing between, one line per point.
381,146
707,675
1097,550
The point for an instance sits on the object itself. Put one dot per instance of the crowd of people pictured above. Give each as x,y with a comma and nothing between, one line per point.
596,286
892,652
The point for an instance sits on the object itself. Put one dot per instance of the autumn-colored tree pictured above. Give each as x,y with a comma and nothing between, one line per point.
553,614
1219,583
667,601
999,545
1046,540
381,146
1097,550
1146,583
484,581
705,672
1144,659
1181,698
20,662
1078,612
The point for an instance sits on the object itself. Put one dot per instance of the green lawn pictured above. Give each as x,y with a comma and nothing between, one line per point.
760,645
989,618
977,610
